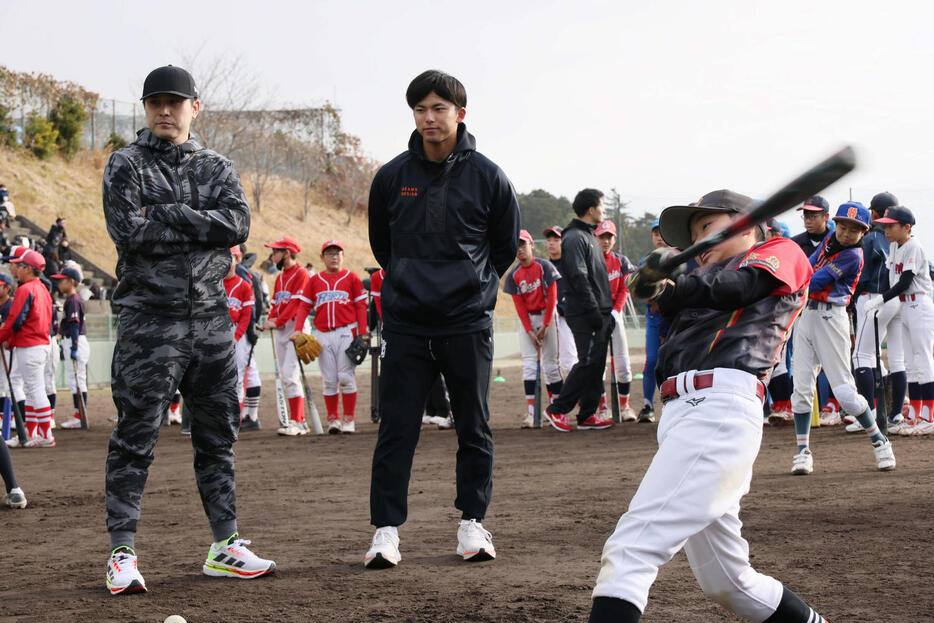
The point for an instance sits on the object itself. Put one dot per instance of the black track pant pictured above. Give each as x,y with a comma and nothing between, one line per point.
585,380
409,367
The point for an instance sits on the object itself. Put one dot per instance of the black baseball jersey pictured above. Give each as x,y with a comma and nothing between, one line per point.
735,313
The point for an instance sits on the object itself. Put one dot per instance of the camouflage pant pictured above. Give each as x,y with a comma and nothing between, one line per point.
154,356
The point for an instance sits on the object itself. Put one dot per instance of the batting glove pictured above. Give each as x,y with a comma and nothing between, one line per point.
306,347
873,306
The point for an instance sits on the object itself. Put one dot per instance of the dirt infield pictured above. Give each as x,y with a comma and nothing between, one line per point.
854,542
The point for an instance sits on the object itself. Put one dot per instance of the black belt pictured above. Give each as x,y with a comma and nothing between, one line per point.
669,389
820,305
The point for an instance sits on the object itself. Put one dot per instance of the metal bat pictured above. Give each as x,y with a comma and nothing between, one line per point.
614,389
537,409
315,418
882,419
282,411
17,416
82,408
797,191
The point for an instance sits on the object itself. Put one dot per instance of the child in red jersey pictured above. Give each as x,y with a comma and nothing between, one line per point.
339,300
74,342
290,308
534,290
240,304
617,267
27,331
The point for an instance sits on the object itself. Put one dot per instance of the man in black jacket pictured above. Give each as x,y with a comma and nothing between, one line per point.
588,304
444,223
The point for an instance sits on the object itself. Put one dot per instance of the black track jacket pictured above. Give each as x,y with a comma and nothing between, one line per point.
445,232
583,269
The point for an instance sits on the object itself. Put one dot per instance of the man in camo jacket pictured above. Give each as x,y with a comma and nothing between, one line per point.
173,209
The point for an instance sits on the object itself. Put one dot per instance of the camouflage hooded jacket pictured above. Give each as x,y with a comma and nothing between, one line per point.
173,256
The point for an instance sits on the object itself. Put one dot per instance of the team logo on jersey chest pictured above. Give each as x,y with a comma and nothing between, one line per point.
332,296
525,287
755,259
898,268
281,296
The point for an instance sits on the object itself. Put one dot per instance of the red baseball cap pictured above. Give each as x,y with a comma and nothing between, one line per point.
605,227
30,258
554,231
525,235
285,242
235,250
331,243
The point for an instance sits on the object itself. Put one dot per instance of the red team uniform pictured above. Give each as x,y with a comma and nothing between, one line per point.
240,302
617,267
290,308
27,330
339,300
534,290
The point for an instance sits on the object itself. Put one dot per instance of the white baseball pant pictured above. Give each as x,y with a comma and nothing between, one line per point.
337,370
288,363
567,349
822,340
50,366
84,354
917,320
4,386
690,496
620,351
30,363
252,374
864,350
550,369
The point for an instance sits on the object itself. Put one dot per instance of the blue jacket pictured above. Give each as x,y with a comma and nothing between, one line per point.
875,276
835,276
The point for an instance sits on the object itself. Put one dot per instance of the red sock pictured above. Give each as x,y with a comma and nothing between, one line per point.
834,403
330,405
915,407
602,406
530,405
623,402
297,409
350,405
929,405
31,422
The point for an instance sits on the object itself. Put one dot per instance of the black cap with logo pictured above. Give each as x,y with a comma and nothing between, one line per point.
881,202
172,80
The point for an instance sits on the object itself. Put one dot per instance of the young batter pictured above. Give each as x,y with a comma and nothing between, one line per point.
339,300
567,349
617,267
911,283
729,319
533,285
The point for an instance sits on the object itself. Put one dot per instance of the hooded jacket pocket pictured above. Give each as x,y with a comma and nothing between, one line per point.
434,291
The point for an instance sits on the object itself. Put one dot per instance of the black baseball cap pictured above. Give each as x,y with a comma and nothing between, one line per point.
6,278
897,214
675,221
68,273
881,202
816,204
552,231
172,80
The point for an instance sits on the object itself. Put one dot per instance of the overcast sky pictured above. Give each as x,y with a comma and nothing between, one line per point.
662,100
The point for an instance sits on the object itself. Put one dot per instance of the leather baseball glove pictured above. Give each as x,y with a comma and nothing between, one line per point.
357,350
306,347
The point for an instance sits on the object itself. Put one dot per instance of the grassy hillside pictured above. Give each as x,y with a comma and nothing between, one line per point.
44,189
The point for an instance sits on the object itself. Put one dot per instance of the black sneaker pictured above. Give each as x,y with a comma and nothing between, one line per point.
248,424
647,415
186,430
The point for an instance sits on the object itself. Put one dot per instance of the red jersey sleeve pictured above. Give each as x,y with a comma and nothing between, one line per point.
358,294
376,286
551,302
783,259
522,311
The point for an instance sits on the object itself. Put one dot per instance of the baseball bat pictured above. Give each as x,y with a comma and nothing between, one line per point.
282,411
614,389
82,408
537,408
882,419
806,185
374,376
17,416
315,418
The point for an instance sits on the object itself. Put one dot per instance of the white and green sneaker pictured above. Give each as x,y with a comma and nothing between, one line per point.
232,558
122,574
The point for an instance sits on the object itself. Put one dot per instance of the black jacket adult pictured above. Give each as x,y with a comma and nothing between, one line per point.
445,232
583,269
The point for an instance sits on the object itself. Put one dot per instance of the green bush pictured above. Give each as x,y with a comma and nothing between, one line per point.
41,136
7,133
68,117
115,142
